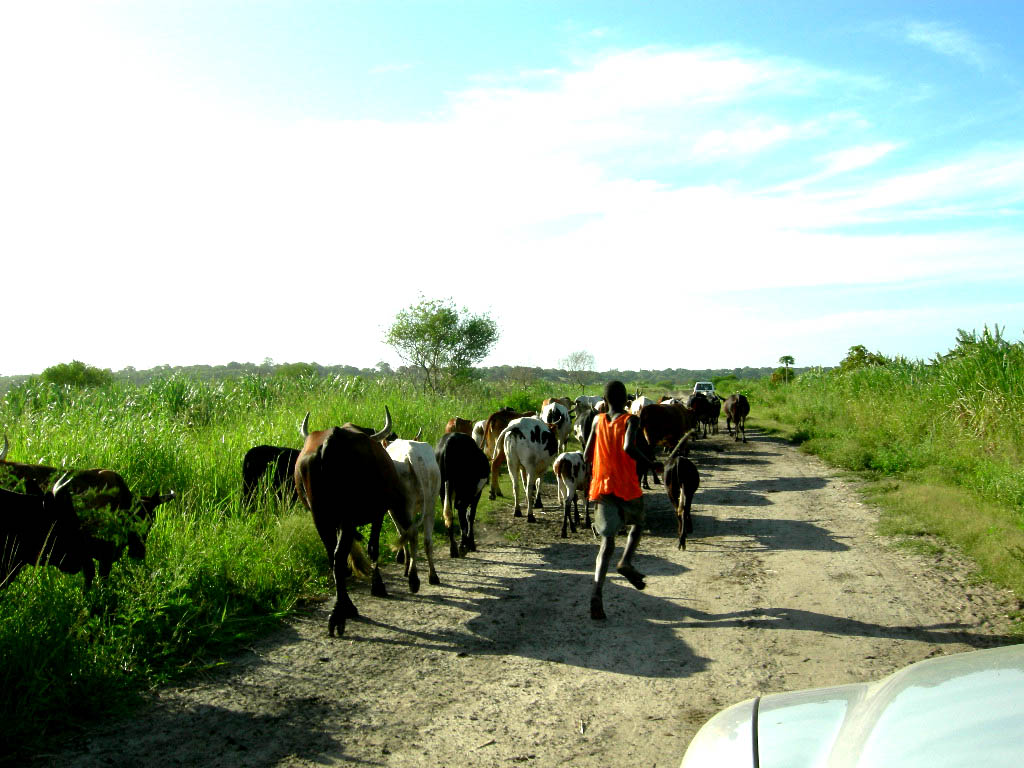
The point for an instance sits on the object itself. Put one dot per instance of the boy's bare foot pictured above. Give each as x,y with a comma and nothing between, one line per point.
633,575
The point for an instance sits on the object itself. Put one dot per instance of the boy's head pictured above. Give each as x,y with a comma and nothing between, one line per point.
615,395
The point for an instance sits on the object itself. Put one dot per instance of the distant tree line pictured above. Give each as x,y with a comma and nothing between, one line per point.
80,374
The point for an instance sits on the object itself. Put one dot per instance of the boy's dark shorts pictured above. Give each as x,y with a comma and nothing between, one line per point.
613,513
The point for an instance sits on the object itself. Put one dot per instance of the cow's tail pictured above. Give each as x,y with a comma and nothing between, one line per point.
359,561
682,447
499,443
446,509
409,534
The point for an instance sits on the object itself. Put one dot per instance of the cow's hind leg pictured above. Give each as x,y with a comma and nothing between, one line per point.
428,540
496,463
531,484
515,469
567,520
344,608
469,532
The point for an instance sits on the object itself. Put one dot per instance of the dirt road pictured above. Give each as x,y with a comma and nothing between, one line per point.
784,585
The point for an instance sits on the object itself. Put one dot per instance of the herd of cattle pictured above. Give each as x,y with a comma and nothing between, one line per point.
352,476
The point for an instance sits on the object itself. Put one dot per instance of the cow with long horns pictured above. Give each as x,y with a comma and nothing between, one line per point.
346,479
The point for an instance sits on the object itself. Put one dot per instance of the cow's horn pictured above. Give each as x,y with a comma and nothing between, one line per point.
304,427
60,484
419,434
378,436
3,453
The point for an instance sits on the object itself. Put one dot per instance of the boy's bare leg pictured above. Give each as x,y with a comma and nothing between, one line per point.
626,568
604,558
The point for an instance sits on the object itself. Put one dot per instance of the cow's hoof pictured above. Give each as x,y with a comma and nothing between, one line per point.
682,542
400,556
433,579
377,588
414,582
491,496
530,518
471,546
537,504
336,623
565,535
597,608
517,513
453,552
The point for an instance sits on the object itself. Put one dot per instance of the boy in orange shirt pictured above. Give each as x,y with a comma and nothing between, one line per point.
615,450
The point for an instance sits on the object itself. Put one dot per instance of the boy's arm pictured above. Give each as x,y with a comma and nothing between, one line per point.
588,452
635,445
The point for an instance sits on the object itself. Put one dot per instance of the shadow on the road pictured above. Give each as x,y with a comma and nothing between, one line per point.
764,534
282,731
685,617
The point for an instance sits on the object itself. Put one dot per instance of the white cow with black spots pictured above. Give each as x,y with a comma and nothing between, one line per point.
530,446
556,415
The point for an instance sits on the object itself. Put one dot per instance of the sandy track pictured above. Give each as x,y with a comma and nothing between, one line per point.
784,585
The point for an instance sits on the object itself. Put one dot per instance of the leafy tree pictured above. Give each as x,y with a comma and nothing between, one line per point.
441,341
295,371
859,357
522,376
78,374
786,360
580,367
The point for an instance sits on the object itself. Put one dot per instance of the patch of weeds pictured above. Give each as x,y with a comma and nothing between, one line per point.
513,535
801,435
1016,623
926,547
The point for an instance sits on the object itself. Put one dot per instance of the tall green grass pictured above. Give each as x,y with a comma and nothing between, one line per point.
955,422
214,574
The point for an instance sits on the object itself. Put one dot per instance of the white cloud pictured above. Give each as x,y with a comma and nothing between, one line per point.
948,41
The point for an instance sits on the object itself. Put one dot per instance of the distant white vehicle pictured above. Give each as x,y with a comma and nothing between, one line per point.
704,388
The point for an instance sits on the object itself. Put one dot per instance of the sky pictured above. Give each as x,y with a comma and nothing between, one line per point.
662,184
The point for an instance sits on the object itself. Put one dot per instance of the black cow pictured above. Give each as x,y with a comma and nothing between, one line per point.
346,479
681,483
707,408
464,472
42,530
94,490
261,458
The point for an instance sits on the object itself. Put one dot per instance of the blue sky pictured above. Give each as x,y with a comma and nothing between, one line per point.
663,184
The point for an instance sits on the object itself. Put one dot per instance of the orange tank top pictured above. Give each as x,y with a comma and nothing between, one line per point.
614,472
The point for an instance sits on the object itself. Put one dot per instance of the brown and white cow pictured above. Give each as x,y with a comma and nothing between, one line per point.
496,422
